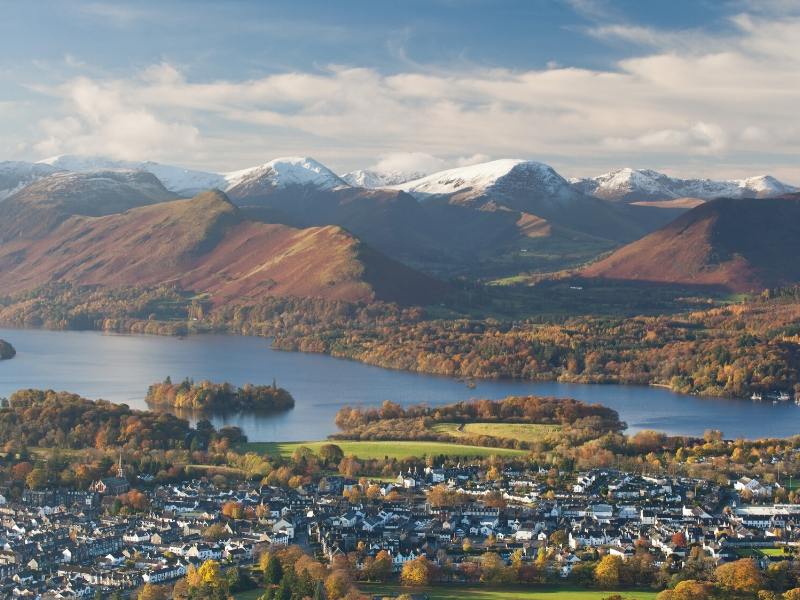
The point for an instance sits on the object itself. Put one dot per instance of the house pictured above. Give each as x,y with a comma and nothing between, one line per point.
752,486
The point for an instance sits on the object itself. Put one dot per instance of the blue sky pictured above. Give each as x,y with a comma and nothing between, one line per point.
585,85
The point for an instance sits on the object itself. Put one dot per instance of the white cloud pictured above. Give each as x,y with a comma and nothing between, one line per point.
102,120
729,97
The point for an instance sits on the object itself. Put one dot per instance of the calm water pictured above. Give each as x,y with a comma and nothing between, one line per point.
120,367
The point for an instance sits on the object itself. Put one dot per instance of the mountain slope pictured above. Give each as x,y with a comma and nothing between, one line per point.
15,175
38,208
206,245
636,185
740,244
529,187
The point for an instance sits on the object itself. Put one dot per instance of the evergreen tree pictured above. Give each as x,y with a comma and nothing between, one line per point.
274,572
283,591
305,586
319,591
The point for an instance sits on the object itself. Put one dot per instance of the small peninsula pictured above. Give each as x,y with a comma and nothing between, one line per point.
207,396
6,350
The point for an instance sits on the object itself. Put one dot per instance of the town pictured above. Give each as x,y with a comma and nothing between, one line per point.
467,523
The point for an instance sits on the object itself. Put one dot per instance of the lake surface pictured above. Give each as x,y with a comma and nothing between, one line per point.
121,367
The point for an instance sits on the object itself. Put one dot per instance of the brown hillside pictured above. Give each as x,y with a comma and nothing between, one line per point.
205,245
42,206
742,245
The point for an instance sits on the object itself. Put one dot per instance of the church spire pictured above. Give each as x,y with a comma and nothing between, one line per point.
120,472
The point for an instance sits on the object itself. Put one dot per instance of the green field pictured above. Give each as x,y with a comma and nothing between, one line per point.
456,592
526,432
249,594
381,449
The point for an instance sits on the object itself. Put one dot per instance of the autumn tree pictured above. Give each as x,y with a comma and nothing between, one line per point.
36,479
607,571
337,585
152,592
688,590
416,572
741,576
331,454
207,582
381,566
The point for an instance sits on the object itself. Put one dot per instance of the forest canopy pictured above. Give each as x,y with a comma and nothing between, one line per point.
63,420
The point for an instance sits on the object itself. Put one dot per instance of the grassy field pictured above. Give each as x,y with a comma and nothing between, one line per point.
527,432
369,450
456,592
249,594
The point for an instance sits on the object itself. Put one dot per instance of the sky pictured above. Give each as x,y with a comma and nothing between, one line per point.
688,87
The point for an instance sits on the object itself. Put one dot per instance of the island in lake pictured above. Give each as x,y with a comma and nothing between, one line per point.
207,396
6,350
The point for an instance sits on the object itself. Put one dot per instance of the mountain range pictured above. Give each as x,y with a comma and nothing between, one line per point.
621,185
292,226
637,185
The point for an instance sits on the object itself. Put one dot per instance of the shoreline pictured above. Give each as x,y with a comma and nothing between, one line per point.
463,378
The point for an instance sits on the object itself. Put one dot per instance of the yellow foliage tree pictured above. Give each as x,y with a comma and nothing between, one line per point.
416,572
606,573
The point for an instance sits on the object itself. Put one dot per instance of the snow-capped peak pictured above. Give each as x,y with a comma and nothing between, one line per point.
765,185
476,179
180,180
645,184
286,171
371,179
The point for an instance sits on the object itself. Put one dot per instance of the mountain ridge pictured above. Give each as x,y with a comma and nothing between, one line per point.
206,244
742,244
632,185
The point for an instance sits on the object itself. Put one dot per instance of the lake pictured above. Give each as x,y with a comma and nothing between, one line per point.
121,367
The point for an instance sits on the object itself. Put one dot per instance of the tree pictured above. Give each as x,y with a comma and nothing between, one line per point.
741,576
273,573
336,585
214,532
381,566
207,582
36,479
416,572
793,594
558,538
606,573
494,570
331,454
688,590
152,592
679,539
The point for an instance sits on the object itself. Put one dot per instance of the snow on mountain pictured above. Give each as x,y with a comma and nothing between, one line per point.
284,172
632,185
505,176
186,182
88,187
15,175
367,178
765,186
